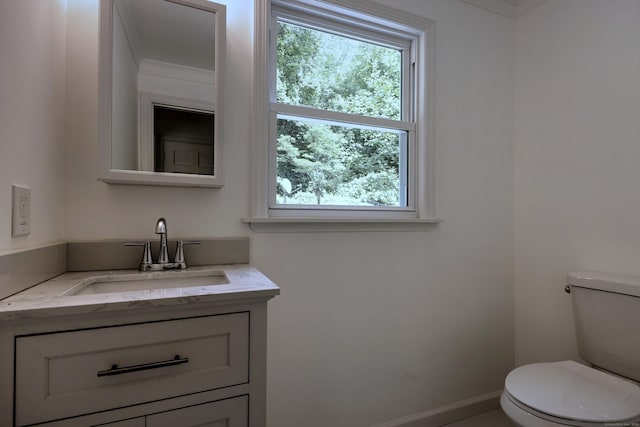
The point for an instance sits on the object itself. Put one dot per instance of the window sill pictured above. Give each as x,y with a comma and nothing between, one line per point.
336,224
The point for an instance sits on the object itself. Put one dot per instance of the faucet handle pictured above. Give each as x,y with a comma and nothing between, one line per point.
179,259
147,259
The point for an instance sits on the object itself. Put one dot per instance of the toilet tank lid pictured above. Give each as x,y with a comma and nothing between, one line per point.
618,283
570,390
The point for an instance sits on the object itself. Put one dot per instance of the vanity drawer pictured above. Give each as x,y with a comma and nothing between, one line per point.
64,374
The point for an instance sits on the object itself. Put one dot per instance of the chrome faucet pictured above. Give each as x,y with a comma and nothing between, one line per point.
163,263
161,229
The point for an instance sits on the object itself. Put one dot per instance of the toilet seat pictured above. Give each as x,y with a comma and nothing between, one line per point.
568,393
523,415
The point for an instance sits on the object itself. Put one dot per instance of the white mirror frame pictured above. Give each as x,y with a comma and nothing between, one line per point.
119,176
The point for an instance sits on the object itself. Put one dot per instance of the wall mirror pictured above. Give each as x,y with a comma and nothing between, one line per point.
161,88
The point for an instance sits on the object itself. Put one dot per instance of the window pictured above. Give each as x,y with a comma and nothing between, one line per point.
348,119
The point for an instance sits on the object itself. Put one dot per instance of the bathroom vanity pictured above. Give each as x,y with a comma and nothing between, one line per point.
73,354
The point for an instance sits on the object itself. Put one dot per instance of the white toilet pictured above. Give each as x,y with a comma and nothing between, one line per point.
607,318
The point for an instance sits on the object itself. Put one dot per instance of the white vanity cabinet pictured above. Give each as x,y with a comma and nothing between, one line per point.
134,422
189,364
225,413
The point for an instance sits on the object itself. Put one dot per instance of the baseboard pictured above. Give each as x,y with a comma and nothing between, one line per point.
448,413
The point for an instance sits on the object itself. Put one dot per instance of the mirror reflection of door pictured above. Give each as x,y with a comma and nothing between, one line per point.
183,141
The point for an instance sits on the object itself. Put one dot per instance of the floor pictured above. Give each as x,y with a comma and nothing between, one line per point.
495,418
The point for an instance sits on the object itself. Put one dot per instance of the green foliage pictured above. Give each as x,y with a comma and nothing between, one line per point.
378,189
296,51
330,164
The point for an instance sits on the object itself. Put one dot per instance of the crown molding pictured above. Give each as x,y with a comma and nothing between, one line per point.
509,8
128,25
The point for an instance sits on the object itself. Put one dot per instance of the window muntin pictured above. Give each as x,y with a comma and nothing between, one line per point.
341,109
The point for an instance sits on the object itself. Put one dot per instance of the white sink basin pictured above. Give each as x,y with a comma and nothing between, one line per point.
147,281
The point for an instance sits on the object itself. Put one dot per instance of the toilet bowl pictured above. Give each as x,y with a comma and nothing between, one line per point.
606,309
569,394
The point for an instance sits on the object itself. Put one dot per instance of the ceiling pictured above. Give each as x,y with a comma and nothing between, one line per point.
170,32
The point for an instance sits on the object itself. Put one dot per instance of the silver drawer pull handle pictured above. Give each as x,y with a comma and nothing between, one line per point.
115,370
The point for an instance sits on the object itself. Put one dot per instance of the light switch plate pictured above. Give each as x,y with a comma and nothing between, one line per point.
21,217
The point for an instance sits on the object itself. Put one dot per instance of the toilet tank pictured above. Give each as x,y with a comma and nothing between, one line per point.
606,310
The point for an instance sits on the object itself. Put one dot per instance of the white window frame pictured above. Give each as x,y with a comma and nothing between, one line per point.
375,22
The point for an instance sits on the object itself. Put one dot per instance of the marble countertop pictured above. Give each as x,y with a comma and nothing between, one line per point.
54,297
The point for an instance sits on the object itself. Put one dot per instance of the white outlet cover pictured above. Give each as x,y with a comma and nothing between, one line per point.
21,208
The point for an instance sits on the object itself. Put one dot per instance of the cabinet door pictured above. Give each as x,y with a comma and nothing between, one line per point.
75,422
133,422
223,413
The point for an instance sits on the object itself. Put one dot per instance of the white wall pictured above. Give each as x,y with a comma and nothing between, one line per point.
373,326
32,97
97,210
124,110
369,326
577,176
